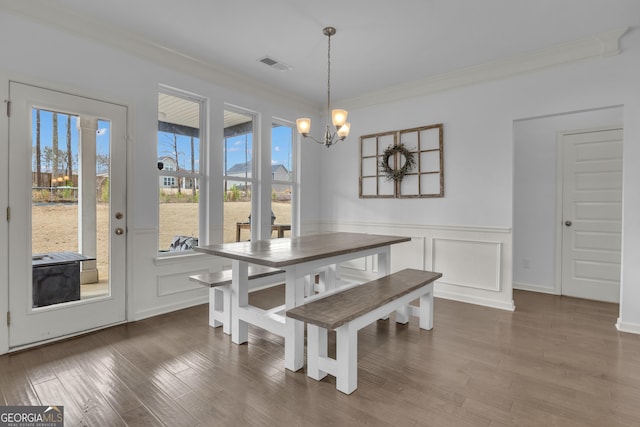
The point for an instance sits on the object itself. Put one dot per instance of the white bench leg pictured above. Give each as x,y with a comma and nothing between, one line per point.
426,310
239,298
226,311
309,285
402,314
294,329
316,349
220,308
346,359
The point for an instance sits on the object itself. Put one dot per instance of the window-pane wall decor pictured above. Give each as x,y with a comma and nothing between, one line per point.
406,163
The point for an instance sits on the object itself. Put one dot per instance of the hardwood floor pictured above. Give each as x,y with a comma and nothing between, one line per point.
555,361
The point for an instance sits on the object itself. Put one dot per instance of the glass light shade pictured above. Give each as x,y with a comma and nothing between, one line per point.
343,132
339,117
304,125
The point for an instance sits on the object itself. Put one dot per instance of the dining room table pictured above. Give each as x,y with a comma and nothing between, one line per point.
299,257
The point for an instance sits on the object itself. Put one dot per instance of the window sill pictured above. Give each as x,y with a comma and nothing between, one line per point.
169,258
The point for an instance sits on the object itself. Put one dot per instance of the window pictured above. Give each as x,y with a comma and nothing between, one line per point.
238,174
282,177
180,170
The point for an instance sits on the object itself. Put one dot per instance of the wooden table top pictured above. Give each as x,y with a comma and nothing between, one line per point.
279,253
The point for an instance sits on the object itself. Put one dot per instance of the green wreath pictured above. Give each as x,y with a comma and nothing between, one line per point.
397,174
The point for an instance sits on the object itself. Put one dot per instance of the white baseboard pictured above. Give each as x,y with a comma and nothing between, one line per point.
632,328
502,305
534,288
163,309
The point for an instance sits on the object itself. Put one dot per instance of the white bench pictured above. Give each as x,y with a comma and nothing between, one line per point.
349,311
220,291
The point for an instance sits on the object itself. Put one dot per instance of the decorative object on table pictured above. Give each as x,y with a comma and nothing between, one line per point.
400,167
406,163
339,117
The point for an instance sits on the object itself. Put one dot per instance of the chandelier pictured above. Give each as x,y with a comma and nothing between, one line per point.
338,117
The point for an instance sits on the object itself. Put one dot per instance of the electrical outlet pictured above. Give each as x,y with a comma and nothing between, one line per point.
525,263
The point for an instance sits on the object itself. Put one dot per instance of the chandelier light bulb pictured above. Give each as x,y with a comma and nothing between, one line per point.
304,125
339,118
343,132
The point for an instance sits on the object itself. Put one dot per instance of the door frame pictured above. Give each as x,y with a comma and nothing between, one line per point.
5,79
560,196
4,203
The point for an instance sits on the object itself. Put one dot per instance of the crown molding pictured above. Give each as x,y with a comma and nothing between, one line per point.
50,14
596,46
599,45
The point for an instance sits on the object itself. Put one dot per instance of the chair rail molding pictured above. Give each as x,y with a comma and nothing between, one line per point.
476,260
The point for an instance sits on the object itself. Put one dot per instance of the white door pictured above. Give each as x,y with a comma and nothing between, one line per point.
67,226
592,214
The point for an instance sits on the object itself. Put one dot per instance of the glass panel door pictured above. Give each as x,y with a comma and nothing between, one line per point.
67,195
67,229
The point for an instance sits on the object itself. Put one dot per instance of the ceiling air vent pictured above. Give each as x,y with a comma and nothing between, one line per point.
274,63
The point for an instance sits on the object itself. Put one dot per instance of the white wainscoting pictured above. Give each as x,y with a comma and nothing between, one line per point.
161,284
470,263
171,284
475,261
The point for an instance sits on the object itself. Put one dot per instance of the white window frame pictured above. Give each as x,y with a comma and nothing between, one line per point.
294,182
254,182
200,177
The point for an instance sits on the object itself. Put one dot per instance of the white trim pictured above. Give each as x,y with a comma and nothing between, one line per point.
4,228
52,14
599,45
470,299
177,283
62,338
170,258
560,196
534,288
498,264
168,308
331,225
632,328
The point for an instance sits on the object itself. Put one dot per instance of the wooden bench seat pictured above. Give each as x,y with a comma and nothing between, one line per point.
348,311
220,292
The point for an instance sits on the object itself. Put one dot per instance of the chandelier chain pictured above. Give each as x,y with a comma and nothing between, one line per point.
329,75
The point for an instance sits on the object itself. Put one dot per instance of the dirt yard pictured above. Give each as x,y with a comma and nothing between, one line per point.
55,226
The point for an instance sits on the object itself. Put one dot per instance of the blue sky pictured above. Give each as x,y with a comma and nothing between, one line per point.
46,135
238,148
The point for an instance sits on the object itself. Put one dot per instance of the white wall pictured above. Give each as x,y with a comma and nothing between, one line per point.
479,161
38,54
472,224
534,198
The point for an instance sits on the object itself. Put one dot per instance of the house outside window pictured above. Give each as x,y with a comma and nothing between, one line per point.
181,166
239,180
283,177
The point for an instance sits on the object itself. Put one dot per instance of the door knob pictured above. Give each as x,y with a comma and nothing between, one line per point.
119,215
119,231
568,223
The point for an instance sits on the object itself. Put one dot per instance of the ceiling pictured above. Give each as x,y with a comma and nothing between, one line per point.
379,43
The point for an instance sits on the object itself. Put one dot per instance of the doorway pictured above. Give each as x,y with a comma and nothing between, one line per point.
67,229
591,225
537,214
